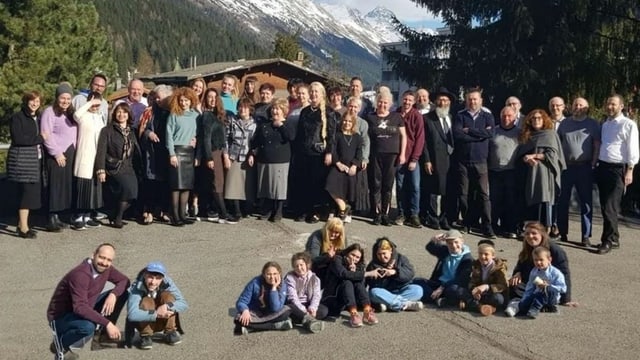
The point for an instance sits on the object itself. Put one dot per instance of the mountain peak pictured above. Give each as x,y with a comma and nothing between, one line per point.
380,12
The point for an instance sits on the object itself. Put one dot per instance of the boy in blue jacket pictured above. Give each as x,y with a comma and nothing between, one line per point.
154,303
546,284
451,274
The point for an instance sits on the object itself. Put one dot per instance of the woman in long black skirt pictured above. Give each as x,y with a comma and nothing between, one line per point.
347,159
116,161
24,160
60,133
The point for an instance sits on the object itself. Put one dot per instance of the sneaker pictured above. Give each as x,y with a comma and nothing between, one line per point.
315,326
487,310
348,219
232,219
586,242
414,222
413,306
173,338
370,317
79,226
240,330
90,223
399,220
97,216
283,325
533,313
213,217
440,302
511,310
381,307
70,355
146,343
355,320
510,235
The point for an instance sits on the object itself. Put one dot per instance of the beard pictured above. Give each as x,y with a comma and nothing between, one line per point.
442,112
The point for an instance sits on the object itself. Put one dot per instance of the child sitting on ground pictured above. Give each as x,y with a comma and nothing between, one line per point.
450,277
546,284
488,285
303,294
261,306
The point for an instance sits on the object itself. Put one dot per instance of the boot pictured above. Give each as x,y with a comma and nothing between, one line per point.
60,223
101,341
52,224
277,211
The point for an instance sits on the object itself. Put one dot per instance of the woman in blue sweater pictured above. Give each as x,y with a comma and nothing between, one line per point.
261,306
181,134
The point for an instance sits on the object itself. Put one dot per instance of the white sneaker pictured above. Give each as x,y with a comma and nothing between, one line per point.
347,219
512,309
413,306
383,307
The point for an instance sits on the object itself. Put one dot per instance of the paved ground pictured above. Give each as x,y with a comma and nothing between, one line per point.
211,263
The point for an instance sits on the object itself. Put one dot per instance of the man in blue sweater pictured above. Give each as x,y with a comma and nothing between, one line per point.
154,304
472,130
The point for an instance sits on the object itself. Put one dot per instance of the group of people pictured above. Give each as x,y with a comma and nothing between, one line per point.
332,276
222,154
81,311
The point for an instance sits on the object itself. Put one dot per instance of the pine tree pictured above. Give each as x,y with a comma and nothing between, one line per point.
530,48
44,42
286,46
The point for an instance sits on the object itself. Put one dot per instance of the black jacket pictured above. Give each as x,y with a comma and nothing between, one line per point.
339,272
401,264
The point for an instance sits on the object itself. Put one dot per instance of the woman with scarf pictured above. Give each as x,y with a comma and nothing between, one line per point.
117,160
542,163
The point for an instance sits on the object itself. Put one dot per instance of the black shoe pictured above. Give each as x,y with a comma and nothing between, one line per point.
29,234
431,224
232,220
61,224
299,218
604,248
564,238
385,220
399,220
377,220
509,235
177,223
413,222
489,234
312,219
444,225
458,225
52,224
187,221
615,245
586,242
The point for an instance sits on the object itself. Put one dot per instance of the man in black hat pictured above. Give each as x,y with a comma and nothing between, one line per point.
435,161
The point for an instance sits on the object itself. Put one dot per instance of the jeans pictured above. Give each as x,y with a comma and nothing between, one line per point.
73,330
539,299
452,293
580,176
408,192
396,299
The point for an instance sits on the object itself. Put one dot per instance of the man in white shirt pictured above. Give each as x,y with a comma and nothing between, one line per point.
619,153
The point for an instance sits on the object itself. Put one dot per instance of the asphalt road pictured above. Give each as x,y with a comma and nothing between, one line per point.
211,263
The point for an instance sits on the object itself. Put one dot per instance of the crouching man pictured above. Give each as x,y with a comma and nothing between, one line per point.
80,304
154,304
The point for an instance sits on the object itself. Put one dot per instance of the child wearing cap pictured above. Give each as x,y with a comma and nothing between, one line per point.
488,285
154,303
450,277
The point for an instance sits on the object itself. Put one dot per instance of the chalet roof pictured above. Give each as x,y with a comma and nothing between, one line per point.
208,70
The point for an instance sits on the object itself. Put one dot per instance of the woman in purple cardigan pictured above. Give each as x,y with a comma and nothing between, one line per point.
61,133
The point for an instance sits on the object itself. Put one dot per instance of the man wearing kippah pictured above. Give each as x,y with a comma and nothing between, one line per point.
154,303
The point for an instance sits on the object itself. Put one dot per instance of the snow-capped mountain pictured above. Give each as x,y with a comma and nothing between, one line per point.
316,20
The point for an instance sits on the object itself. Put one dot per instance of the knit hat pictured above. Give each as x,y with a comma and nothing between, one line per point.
64,88
156,267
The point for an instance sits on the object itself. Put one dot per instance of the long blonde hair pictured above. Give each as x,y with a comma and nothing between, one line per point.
234,91
323,109
333,225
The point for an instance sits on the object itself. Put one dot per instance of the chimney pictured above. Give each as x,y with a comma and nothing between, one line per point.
299,58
